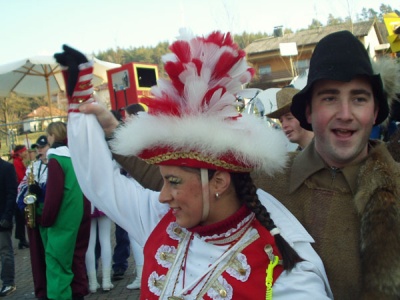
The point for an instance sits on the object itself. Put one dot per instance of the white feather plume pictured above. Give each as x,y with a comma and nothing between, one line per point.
204,120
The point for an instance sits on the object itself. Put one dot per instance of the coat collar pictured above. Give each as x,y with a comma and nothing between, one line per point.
309,162
306,163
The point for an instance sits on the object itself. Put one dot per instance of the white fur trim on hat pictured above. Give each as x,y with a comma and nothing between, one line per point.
248,137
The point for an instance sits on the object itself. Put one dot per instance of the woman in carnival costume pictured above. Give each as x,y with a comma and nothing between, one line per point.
20,157
209,233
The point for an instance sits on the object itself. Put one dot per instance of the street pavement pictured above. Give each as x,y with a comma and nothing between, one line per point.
24,282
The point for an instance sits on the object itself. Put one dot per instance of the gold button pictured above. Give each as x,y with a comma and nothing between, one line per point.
268,248
242,271
222,293
163,256
177,230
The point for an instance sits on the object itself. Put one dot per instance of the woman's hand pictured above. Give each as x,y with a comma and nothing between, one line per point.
105,118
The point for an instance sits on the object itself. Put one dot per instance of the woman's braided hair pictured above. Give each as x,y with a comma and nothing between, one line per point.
246,191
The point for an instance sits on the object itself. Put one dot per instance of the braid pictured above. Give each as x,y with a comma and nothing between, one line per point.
246,191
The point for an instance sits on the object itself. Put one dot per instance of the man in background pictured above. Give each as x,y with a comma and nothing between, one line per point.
8,194
290,125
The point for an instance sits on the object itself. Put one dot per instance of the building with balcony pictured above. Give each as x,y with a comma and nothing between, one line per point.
277,63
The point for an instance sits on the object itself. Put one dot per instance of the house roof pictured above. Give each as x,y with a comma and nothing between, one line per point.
44,111
310,36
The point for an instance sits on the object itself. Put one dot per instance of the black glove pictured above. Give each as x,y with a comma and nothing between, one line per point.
35,189
5,224
71,58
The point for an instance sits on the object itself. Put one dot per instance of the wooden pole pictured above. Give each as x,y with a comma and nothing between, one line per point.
49,97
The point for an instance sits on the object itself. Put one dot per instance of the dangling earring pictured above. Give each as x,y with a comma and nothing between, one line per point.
216,195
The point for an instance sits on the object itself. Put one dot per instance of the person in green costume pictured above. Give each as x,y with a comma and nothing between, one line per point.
65,221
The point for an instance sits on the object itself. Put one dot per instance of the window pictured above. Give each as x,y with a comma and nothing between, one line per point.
264,70
302,65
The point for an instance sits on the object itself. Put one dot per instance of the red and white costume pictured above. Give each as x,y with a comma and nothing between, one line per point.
194,123
139,212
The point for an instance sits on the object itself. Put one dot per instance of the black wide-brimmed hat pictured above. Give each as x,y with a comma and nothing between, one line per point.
339,56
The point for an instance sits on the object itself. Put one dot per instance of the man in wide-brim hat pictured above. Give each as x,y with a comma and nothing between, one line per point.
343,187
290,125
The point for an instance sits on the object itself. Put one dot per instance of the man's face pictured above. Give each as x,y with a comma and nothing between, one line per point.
342,115
42,150
291,127
32,155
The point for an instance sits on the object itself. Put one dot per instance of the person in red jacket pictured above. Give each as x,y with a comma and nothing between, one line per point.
20,155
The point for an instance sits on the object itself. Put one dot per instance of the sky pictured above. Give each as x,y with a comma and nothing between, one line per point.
40,27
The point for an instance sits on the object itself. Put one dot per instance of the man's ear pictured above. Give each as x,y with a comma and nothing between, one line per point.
376,110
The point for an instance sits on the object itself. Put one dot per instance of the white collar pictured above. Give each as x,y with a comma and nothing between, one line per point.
60,151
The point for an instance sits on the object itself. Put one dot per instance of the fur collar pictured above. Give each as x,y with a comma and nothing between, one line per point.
378,202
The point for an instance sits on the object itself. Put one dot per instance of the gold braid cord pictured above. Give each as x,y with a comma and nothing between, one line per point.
196,156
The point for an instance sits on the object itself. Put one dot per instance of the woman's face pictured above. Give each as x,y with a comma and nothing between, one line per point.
182,191
50,138
25,155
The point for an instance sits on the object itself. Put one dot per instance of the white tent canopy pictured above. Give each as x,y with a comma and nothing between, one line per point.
267,97
41,76
299,82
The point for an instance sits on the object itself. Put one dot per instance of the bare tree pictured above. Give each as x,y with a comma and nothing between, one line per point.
315,24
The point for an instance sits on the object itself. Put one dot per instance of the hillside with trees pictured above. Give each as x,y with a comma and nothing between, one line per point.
153,54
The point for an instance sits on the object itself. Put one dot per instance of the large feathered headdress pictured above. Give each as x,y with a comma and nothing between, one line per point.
192,118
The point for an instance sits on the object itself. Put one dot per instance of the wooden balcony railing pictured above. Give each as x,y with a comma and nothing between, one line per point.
274,79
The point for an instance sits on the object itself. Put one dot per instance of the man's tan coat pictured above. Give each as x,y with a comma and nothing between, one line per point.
354,216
